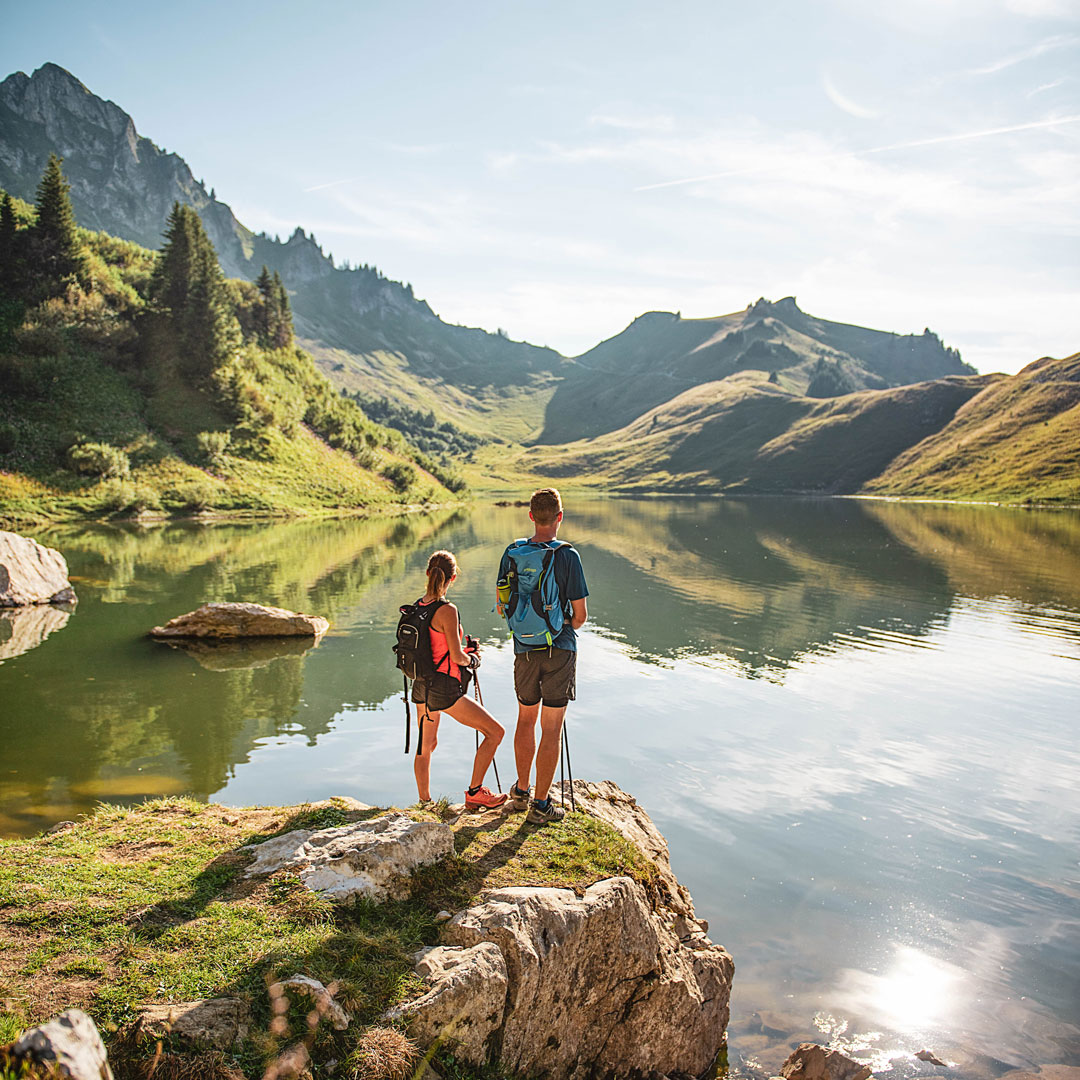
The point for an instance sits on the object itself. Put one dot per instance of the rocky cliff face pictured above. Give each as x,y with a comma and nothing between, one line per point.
619,981
123,184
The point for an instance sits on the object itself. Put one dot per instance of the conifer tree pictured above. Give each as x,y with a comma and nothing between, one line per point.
55,253
187,291
9,255
283,328
264,313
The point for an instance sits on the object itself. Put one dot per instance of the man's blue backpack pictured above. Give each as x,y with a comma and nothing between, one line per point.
528,596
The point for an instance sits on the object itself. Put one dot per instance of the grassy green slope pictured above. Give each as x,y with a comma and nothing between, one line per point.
71,373
1018,439
743,433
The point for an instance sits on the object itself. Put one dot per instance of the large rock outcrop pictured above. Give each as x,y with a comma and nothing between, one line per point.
231,620
616,982
31,573
373,859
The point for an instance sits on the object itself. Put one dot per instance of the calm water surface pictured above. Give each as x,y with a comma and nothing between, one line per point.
856,723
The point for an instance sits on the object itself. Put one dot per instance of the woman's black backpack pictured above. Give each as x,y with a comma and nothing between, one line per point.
413,646
413,652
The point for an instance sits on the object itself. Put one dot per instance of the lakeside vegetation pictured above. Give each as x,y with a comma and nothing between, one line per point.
134,382
137,905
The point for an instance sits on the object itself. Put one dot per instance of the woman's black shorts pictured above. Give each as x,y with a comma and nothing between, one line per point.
439,691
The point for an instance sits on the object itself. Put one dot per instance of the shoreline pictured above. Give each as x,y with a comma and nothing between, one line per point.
495,496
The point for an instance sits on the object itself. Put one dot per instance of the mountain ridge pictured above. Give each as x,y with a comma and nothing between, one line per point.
124,184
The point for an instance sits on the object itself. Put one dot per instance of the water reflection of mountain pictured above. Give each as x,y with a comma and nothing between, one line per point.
102,712
99,711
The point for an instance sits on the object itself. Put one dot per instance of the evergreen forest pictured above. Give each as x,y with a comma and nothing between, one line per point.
135,382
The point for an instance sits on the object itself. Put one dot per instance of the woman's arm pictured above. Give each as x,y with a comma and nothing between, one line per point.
445,620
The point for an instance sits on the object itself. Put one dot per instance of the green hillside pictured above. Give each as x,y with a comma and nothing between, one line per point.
745,434
661,355
1017,440
124,390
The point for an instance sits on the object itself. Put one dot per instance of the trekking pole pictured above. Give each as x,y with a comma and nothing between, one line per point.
562,770
569,767
480,701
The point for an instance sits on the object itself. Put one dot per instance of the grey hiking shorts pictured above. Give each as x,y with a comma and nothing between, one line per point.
547,675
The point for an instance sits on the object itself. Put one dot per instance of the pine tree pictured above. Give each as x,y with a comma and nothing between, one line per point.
55,253
264,314
9,254
187,291
283,327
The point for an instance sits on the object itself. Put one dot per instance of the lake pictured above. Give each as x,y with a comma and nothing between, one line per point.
856,722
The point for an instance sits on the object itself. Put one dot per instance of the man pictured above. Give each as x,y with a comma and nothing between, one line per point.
545,677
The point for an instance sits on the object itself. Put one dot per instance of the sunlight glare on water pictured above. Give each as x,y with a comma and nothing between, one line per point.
856,724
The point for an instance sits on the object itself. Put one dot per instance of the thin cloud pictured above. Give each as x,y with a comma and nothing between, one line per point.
845,103
986,133
1047,86
332,183
1059,41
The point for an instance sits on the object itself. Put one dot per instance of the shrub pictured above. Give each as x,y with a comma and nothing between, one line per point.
214,445
99,459
122,496
9,438
401,475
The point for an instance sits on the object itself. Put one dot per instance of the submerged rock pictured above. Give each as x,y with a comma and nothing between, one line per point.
374,859
230,620
70,1045
217,654
31,573
212,1023
809,1061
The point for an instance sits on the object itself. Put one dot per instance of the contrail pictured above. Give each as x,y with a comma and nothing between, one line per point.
333,183
873,150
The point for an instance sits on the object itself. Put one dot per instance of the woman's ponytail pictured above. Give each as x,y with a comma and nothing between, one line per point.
441,568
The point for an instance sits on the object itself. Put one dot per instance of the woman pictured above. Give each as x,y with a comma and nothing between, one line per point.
445,691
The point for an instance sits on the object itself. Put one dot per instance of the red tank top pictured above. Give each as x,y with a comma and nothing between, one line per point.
440,650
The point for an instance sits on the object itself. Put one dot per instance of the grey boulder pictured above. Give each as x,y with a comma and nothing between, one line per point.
70,1044
212,1023
809,1061
233,620
31,573
373,859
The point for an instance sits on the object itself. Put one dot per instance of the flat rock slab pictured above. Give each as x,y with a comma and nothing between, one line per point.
31,573
212,1023
373,859
228,620
70,1044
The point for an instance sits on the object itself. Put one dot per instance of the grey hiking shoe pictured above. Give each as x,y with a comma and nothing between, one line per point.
540,815
519,798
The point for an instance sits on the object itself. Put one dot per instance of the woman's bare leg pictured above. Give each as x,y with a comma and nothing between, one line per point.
429,739
472,714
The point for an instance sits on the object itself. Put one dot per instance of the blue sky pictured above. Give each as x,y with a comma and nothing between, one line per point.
556,169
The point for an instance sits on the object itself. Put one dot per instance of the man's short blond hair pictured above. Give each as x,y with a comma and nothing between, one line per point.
545,506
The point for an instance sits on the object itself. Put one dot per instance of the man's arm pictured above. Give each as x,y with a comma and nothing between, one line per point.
581,613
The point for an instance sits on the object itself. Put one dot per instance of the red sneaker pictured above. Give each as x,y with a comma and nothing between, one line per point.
484,800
